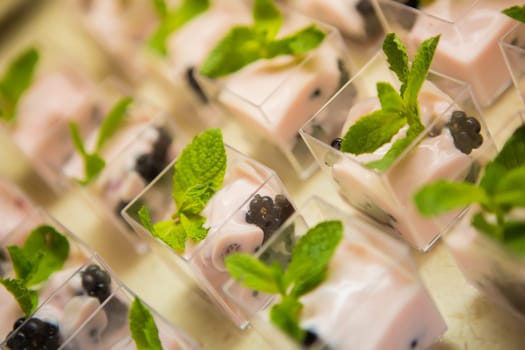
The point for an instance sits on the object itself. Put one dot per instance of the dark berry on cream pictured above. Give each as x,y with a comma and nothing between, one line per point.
35,334
465,131
268,214
96,282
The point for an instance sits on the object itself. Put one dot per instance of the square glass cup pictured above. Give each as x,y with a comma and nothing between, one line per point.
139,150
386,195
123,30
79,252
486,263
370,274
272,98
513,47
468,49
98,321
226,216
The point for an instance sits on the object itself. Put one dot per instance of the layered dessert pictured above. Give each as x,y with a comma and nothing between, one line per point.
470,32
488,244
51,256
289,75
204,210
90,311
380,147
358,283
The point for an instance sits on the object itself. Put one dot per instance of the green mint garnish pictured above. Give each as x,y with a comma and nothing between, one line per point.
15,81
307,269
171,20
397,109
501,189
243,45
516,12
44,252
142,327
199,174
26,298
93,162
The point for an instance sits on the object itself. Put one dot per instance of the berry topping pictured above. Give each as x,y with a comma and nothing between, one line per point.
465,131
149,165
336,143
269,214
34,334
96,282
310,338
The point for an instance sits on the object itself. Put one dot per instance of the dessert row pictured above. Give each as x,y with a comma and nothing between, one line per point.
381,132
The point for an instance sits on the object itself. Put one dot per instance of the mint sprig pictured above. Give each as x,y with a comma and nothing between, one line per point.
199,174
377,128
243,45
171,20
307,269
16,79
142,326
44,252
501,189
93,162
516,12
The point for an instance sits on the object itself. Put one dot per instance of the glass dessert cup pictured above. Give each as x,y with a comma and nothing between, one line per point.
123,31
226,212
513,47
468,49
14,207
370,274
486,263
140,149
95,319
386,196
10,311
272,98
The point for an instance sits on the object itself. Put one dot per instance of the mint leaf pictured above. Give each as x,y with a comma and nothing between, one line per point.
193,226
160,7
254,274
93,162
26,298
377,128
512,155
44,252
313,252
267,18
237,49
479,222
397,58
15,81
510,190
171,233
516,12
201,163
243,45
112,121
194,199
286,315
142,327
372,131
443,195
493,173
173,20
297,43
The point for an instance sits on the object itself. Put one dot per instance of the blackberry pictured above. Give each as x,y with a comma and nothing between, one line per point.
336,143
310,338
96,282
35,334
149,165
194,85
465,131
267,214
